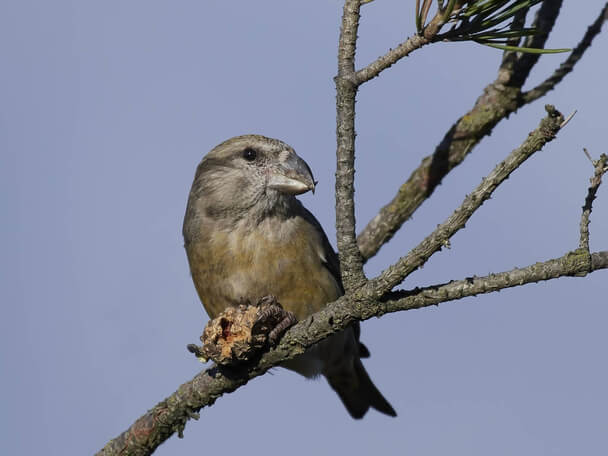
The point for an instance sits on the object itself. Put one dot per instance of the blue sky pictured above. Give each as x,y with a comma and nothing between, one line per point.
105,110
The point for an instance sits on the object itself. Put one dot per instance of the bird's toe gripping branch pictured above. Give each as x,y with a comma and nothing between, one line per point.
272,319
239,334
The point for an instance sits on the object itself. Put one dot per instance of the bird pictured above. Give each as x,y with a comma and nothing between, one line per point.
247,236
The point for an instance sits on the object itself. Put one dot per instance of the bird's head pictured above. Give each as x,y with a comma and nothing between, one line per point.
250,172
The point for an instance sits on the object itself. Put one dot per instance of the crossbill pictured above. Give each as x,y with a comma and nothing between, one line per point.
247,236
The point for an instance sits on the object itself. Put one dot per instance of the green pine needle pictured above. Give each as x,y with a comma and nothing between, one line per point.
506,47
485,21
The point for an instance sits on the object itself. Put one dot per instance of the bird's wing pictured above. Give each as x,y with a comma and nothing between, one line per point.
332,263
330,258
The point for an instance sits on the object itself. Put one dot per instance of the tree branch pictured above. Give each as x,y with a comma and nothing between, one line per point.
393,275
351,262
496,103
577,263
172,414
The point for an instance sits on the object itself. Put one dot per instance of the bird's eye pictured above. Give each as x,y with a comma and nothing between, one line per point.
250,154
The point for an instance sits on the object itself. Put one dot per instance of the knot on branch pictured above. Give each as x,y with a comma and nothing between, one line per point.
579,260
551,124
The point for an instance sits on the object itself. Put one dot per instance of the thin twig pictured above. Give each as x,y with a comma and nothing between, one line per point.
568,65
568,119
390,58
600,168
392,276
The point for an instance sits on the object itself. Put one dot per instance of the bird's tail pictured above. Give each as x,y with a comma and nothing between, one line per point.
357,391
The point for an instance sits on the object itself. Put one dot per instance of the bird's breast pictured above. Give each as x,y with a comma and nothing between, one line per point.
281,257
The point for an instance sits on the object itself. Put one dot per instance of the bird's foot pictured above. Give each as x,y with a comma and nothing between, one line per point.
273,319
239,334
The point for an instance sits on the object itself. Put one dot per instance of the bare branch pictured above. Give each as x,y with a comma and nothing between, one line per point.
171,415
392,276
577,263
351,262
600,168
568,65
568,119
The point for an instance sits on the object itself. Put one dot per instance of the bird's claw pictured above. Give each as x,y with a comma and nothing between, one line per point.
198,352
272,319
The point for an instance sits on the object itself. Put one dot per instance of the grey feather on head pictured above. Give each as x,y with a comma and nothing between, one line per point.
249,176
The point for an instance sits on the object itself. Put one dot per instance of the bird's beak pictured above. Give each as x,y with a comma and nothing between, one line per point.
292,176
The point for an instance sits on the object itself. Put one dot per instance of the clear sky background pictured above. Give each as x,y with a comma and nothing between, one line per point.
105,110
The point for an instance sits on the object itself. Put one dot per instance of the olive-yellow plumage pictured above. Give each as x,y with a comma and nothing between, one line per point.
247,236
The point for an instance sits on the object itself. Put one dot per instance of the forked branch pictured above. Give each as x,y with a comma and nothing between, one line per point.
535,141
